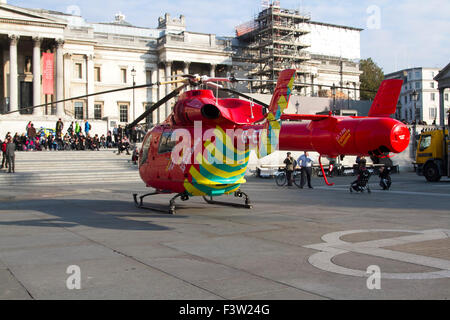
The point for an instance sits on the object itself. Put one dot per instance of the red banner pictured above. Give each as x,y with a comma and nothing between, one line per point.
47,73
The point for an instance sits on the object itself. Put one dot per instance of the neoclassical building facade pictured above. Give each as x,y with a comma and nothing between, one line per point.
49,56
95,57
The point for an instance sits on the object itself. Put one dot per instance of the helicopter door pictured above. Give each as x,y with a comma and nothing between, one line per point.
145,149
165,147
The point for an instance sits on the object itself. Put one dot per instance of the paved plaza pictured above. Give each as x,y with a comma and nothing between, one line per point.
293,244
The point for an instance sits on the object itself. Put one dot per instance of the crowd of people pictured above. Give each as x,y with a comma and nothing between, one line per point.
77,137
305,163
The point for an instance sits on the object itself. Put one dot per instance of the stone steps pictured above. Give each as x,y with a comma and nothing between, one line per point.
36,168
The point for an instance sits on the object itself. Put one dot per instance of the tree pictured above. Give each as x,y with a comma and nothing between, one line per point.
370,78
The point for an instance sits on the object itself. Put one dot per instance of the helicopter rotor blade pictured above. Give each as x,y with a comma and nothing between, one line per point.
147,85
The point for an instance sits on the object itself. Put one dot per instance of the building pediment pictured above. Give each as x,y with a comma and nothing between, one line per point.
17,15
443,77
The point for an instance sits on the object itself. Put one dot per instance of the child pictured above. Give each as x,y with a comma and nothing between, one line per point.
385,178
363,178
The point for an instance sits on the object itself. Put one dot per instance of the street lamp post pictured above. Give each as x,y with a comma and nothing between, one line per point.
133,74
414,96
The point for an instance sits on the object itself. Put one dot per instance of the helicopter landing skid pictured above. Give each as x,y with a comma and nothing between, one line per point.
239,194
139,204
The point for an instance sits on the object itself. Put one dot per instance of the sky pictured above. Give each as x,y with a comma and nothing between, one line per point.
397,34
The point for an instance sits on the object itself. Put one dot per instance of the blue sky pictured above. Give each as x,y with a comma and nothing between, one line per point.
408,33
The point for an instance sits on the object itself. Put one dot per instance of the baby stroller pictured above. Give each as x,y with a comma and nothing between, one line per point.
362,183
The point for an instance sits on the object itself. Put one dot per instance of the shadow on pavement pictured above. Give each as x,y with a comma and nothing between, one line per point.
101,214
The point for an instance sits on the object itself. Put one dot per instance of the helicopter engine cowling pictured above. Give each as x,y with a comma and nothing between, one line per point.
202,105
196,105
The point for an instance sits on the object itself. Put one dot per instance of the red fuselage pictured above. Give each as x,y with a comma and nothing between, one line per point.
329,136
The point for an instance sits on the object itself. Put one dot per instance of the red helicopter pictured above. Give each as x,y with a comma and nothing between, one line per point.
203,147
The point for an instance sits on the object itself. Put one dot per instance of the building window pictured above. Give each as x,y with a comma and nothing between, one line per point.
432,85
98,111
79,110
433,113
417,85
433,97
446,97
123,75
79,70
417,75
97,74
123,113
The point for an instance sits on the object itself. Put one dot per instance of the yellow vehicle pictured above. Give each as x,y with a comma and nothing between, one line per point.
432,155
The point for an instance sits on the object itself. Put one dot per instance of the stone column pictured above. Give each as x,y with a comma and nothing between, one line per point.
158,93
67,79
441,107
59,77
13,80
212,73
168,73
186,67
37,76
90,85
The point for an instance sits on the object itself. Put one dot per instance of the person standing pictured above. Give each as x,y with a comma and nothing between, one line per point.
305,163
4,159
31,135
116,135
109,143
70,130
290,165
10,155
59,127
120,134
77,129
133,135
87,127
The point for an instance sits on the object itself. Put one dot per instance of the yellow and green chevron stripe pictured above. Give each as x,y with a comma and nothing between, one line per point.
219,170
270,134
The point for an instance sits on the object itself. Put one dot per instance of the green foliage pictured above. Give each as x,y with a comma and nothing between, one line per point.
370,78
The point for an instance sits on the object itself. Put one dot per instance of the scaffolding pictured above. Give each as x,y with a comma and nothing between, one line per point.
273,41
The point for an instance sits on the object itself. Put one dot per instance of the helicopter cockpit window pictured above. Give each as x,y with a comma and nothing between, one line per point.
166,144
145,148
425,142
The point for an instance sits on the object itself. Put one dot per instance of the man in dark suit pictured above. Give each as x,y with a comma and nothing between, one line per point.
10,155
290,166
